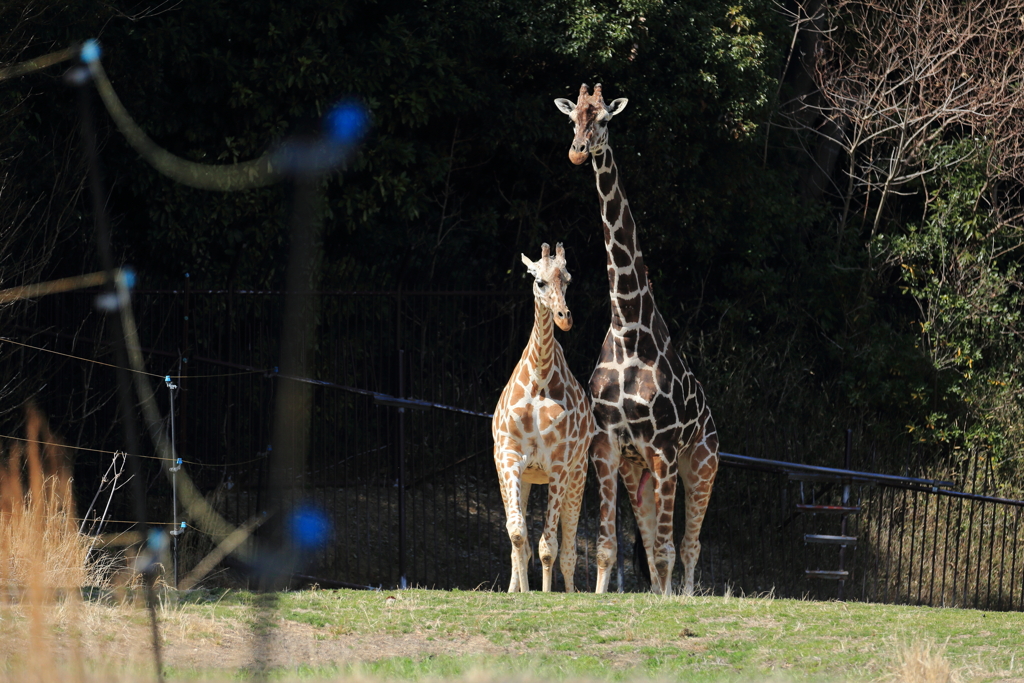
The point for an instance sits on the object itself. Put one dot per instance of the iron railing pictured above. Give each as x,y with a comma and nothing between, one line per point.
400,453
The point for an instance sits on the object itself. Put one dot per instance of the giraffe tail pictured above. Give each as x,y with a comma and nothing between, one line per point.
641,567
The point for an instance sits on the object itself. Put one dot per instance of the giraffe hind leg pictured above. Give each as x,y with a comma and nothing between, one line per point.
644,514
698,479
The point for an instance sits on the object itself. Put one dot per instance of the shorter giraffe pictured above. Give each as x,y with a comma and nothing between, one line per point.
542,429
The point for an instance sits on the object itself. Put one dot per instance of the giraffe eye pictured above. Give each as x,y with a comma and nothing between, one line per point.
541,284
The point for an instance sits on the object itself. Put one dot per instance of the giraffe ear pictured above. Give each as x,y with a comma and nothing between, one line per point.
530,265
617,106
565,106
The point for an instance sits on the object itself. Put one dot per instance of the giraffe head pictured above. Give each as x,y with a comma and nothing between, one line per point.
550,282
590,116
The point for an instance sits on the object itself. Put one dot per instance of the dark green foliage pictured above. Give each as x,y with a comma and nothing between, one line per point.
788,321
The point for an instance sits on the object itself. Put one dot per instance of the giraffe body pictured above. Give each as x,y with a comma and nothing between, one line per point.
653,421
542,429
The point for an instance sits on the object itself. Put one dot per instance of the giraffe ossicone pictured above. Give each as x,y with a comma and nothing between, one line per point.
653,421
542,429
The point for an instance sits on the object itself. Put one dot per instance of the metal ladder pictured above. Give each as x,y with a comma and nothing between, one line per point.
843,510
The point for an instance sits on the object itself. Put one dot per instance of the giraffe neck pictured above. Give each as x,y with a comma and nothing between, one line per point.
541,349
627,278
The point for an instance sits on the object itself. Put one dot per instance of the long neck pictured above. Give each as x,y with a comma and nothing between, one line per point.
627,278
540,351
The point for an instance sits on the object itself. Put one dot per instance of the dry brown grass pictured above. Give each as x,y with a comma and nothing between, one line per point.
42,555
924,662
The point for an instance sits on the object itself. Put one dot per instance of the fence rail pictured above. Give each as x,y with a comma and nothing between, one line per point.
400,453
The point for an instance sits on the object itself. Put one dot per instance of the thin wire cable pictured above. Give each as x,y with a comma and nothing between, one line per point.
110,365
125,521
204,515
68,355
145,457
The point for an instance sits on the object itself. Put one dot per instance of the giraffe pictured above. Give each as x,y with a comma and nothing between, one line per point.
542,428
653,422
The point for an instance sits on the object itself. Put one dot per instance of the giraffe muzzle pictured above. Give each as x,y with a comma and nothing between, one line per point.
564,320
579,152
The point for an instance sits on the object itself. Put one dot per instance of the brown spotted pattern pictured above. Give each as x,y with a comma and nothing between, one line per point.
542,429
653,422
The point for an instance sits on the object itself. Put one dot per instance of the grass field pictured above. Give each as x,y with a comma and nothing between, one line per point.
419,634
51,631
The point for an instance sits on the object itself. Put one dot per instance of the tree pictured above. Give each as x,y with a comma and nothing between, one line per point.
921,99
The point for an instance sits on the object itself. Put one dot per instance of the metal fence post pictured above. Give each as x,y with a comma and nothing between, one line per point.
183,356
402,583
846,502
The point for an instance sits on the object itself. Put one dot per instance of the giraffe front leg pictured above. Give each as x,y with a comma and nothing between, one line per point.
510,465
524,499
606,464
698,474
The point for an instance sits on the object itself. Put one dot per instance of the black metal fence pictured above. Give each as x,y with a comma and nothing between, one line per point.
412,492
800,531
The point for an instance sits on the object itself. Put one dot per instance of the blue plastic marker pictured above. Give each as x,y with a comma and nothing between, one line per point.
90,51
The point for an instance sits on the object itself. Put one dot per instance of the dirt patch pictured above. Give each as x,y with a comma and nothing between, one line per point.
292,644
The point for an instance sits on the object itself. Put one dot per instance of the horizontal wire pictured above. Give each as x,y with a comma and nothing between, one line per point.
146,457
124,521
68,355
109,365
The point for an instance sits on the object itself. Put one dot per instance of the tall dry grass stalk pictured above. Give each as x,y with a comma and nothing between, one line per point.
42,557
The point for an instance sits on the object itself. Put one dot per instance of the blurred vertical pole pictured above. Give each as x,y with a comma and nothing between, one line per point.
293,399
292,404
79,76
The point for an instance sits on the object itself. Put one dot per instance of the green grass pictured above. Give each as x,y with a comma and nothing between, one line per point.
625,637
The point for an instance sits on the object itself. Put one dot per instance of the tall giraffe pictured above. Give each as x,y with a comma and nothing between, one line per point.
542,428
653,421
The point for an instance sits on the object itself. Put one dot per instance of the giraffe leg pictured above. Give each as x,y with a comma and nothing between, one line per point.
548,546
606,464
644,513
664,557
524,499
513,586
576,477
510,464
698,478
